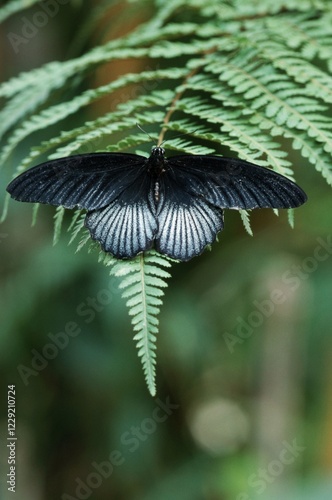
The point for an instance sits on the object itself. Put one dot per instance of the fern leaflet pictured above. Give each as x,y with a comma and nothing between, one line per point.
142,281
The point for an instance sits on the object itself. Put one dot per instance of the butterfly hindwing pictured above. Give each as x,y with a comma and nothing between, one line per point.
85,181
186,223
128,225
234,183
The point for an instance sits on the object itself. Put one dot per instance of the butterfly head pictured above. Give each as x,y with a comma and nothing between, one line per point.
156,161
157,152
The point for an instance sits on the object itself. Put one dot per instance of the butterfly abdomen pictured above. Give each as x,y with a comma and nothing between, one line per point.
156,167
156,192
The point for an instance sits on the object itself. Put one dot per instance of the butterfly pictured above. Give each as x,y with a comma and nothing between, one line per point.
136,203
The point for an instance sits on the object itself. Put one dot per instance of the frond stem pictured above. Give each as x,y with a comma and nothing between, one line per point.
178,96
172,107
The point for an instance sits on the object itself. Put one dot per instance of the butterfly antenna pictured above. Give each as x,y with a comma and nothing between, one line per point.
145,132
179,135
153,140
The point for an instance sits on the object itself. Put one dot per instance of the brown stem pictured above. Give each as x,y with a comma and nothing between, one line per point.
178,96
173,106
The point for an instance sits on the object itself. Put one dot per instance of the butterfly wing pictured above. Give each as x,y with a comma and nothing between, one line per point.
126,226
234,183
87,181
186,223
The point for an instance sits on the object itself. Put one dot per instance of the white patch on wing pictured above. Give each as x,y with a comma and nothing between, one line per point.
185,229
124,230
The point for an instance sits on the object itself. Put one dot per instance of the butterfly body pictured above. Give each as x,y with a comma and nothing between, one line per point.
156,166
135,203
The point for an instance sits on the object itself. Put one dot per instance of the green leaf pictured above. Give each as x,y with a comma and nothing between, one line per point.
246,221
142,280
58,219
15,6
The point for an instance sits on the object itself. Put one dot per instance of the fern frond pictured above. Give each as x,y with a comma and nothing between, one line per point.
60,111
58,219
238,132
76,225
142,281
34,213
15,6
86,238
246,221
290,215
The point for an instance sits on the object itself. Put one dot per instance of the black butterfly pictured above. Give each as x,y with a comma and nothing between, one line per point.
174,204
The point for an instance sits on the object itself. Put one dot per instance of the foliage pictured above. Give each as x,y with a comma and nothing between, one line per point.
142,281
15,6
252,77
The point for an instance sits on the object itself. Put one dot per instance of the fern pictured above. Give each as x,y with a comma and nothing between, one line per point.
250,77
245,219
58,219
143,280
15,6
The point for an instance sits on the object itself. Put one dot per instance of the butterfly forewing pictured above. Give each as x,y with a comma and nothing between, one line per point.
233,183
86,181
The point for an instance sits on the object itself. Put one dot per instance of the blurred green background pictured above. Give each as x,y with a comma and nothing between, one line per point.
244,383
